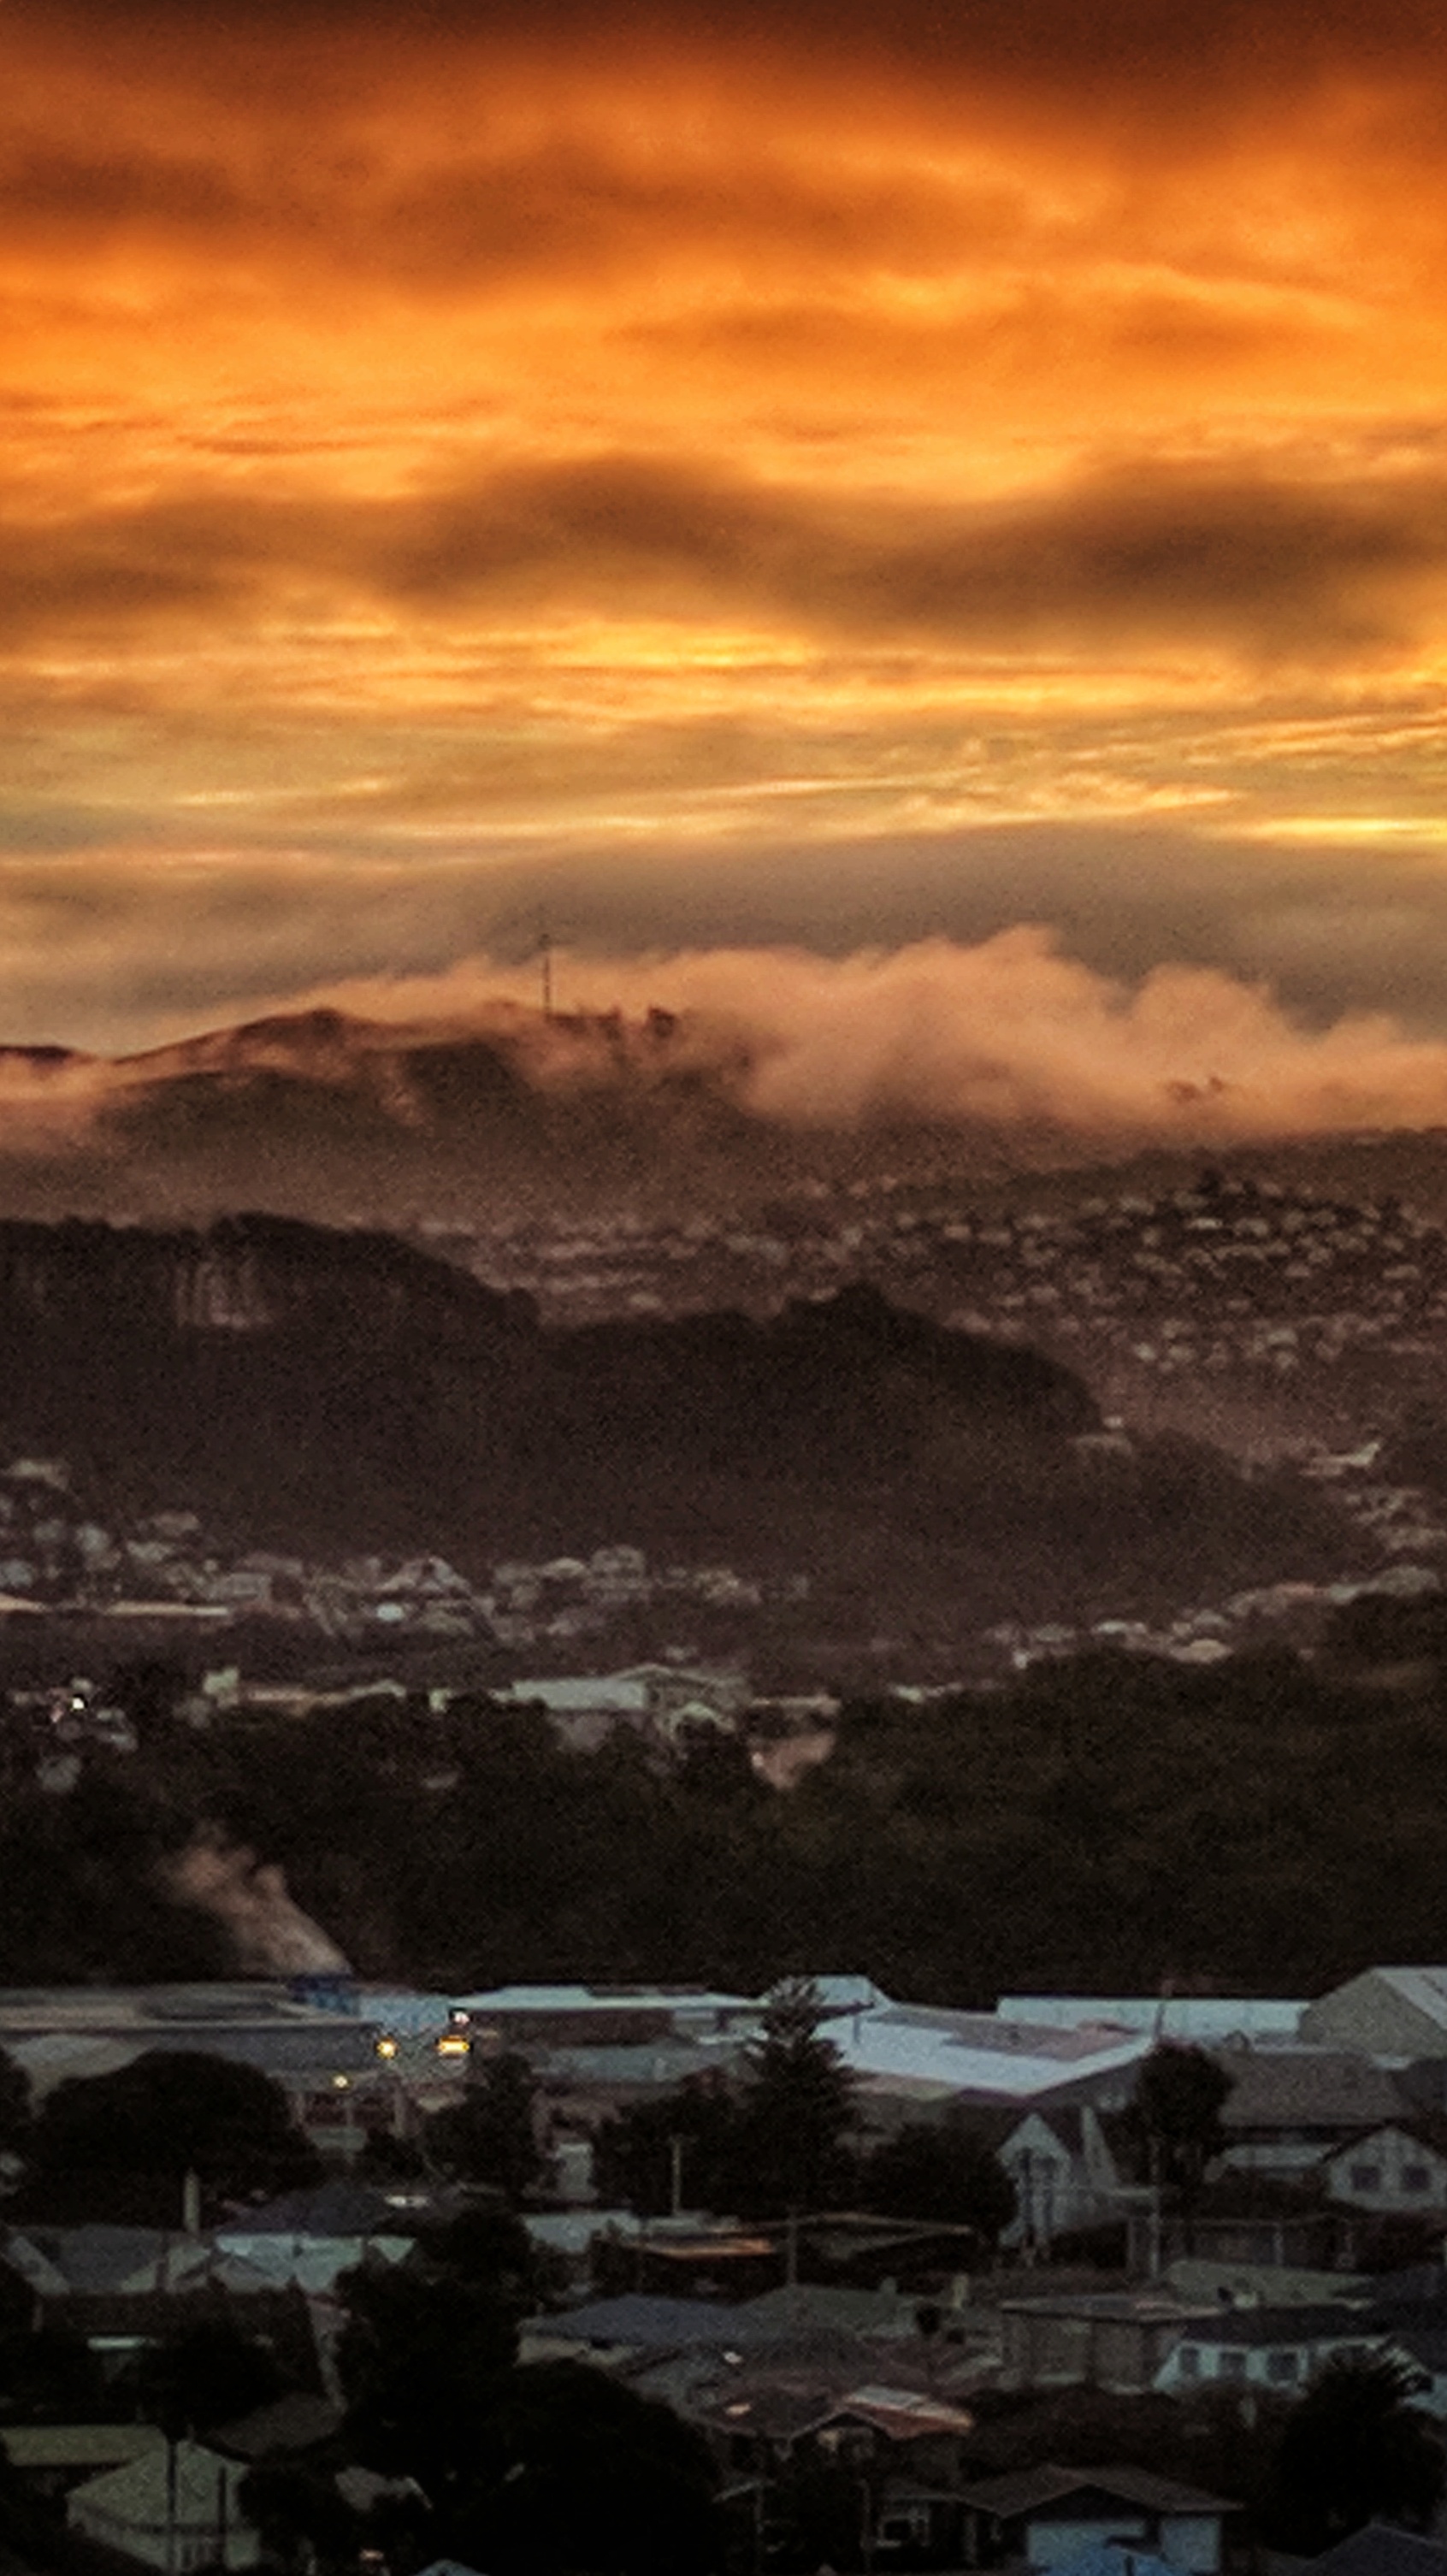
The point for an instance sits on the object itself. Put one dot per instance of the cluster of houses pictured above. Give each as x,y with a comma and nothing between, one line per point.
1233,1274
1206,1633
55,1555
169,1574
838,2337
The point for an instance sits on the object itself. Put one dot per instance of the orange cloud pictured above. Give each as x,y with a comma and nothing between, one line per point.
693,428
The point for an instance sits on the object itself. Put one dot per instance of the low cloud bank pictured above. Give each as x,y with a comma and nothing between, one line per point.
1010,1034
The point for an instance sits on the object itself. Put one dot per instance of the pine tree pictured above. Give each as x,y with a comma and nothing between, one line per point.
791,2150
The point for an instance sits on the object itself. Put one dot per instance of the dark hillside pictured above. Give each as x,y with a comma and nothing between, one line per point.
331,1391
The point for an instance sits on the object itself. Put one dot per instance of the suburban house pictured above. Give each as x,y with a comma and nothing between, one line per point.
1287,2108
50,2459
1388,2170
769,2416
1280,2349
177,2506
904,2446
1061,2165
1387,2012
1113,2339
1380,2550
1049,2516
653,1700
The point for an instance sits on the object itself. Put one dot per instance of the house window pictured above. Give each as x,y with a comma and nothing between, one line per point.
906,2526
1366,2177
1283,2366
1416,2178
1190,2361
1233,2363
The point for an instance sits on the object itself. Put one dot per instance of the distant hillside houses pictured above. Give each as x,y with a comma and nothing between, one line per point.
55,1554
1230,1273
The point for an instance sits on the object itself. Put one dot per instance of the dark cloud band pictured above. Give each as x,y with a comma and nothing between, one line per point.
1239,560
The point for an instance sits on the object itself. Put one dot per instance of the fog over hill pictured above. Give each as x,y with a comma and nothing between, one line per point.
347,1118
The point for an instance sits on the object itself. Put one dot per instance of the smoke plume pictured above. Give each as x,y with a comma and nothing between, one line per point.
269,1932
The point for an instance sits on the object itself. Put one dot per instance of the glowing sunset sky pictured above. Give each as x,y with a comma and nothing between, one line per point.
840,478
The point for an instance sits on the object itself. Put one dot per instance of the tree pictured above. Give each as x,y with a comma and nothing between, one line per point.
789,2149
118,2147
302,2519
581,2472
207,2374
1354,2451
491,2136
1174,2116
423,2358
690,2133
938,2170
545,2468
489,2248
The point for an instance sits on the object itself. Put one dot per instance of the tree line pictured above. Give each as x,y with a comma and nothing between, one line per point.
1103,1824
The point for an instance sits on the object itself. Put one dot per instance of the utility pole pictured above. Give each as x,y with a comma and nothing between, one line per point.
1154,2259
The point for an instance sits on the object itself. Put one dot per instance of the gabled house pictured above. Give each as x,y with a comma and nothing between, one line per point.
1049,2516
1287,2108
766,2416
1060,2161
1394,2169
50,2459
1388,2012
177,2507
1278,2349
1381,2550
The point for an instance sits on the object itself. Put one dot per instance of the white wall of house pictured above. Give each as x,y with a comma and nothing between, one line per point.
1192,2542
1054,2544
1282,2367
1390,2170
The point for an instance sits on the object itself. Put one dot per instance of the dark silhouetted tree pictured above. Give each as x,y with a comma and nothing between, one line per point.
790,2146
15,2111
1356,2450
119,2146
582,2473
937,2170
1173,2118
205,2375
693,2129
491,2136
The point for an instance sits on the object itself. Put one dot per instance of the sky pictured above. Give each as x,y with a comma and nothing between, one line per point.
944,500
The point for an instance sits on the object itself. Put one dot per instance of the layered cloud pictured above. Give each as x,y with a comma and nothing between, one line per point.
991,461
1256,564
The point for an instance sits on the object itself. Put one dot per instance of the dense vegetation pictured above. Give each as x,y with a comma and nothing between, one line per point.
1262,1825
327,1392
